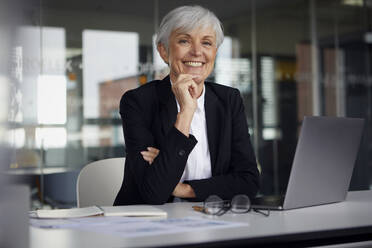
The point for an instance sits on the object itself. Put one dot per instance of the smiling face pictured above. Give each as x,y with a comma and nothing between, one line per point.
191,53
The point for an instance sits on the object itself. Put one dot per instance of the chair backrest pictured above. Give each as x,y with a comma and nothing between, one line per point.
99,182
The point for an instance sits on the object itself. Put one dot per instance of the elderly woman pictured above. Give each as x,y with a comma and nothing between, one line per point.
186,138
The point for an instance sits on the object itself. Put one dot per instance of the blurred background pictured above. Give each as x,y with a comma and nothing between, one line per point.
69,62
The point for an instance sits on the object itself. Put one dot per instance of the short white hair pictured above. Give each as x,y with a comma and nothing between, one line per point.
187,18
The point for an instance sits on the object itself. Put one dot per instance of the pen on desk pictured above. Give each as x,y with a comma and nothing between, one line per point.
198,208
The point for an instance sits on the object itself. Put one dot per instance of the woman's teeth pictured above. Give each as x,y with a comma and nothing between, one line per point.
194,64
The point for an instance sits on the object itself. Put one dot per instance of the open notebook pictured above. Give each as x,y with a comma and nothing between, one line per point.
129,211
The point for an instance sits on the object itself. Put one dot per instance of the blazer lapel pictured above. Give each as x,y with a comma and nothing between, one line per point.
213,119
168,106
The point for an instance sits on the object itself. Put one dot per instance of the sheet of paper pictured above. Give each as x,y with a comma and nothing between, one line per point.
134,227
133,210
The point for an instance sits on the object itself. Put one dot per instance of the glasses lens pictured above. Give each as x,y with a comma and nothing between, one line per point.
213,205
240,204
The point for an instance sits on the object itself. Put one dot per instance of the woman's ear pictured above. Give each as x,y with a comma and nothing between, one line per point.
163,52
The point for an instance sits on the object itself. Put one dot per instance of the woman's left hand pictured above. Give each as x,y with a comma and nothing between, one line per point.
183,190
150,154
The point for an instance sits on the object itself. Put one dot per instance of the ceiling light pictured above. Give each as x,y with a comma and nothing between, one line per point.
353,2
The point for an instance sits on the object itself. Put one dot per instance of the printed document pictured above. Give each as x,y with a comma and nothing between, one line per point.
135,227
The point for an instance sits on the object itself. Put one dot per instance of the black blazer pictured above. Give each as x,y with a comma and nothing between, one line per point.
149,113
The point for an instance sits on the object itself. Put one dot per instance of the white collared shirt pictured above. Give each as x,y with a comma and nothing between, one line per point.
198,165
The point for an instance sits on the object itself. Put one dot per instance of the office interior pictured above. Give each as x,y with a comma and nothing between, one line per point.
69,62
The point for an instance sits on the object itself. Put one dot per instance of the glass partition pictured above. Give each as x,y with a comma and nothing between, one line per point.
74,61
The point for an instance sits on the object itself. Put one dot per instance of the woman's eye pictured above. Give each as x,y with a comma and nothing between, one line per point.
207,43
182,41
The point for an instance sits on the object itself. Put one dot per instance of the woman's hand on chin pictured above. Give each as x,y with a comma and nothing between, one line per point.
186,92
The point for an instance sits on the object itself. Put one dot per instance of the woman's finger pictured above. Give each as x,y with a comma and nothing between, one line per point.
148,154
153,150
148,157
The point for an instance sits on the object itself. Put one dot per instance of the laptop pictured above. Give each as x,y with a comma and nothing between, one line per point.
323,164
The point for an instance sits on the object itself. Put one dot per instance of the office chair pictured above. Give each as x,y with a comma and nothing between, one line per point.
99,182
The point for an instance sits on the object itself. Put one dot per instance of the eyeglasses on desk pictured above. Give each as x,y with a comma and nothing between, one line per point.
239,204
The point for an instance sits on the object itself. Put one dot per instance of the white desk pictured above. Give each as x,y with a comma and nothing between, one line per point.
352,218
